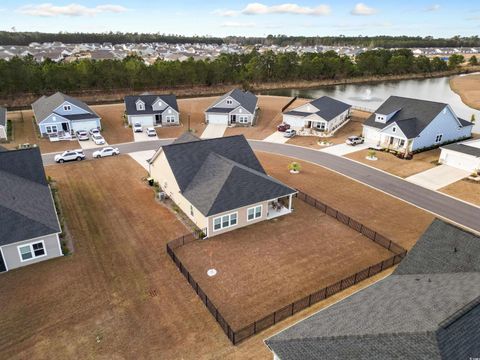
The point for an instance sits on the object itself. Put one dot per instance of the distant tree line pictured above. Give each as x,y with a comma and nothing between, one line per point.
21,75
387,42
25,38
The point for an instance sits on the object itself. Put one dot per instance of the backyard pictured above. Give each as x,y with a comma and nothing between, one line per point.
120,281
279,263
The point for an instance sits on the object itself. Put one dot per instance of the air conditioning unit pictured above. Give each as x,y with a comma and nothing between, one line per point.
162,195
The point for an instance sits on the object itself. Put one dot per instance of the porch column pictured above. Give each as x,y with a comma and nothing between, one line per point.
290,202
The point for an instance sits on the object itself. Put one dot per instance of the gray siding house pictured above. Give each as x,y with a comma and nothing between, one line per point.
3,124
152,110
406,124
60,113
29,227
429,308
236,107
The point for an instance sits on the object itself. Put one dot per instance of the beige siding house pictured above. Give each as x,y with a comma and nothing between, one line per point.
219,183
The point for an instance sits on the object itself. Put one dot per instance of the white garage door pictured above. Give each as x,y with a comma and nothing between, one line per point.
217,119
84,125
293,121
146,121
461,161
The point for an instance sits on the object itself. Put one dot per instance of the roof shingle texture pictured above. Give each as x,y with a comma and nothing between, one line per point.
149,100
246,99
44,106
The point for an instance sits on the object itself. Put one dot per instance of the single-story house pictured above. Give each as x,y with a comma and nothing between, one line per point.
60,113
152,110
465,156
429,308
406,124
324,114
29,227
219,183
3,124
237,107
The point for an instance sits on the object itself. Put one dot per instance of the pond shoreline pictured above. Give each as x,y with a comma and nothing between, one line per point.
468,88
99,97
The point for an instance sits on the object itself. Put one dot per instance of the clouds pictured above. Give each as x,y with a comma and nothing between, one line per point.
364,10
434,7
50,10
287,8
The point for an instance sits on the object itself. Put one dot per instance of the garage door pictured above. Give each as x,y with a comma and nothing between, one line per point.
84,125
217,119
293,121
461,161
146,121
2,264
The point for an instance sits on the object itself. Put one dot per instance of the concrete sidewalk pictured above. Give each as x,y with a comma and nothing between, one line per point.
213,131
142,156
438,177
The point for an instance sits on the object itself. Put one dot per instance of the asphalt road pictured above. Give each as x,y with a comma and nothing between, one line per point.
437,203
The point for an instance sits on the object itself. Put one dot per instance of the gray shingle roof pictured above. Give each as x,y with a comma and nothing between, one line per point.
3,116
221,174
464,149
26,207
412,117
131,107
245,98
428,309
329,108
44,106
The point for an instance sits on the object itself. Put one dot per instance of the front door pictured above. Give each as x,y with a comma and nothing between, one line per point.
158,119
233,119
2,264
65,127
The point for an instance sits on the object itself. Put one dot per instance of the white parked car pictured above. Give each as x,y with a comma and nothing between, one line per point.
354,140
151,131
98,139
289,133
94,131
82,135
70,155
137,127
107,151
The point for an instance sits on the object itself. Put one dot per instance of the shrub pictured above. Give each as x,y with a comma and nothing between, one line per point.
294,166
372,153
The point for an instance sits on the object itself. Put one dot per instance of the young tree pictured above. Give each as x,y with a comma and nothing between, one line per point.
473,119
473,61
455,60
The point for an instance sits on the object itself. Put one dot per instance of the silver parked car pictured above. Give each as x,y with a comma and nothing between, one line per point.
82,135
106,151
289,133
354,140
70,155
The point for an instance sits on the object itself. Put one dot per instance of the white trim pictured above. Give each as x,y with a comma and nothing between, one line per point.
32,251
221,221
255,212
3,257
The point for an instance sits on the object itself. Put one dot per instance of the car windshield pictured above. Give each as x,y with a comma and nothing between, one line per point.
97,137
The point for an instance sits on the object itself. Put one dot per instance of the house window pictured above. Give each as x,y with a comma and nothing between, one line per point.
229,102
243,119
225,221
170,118
191,210
254,212
67,107
320,125
140,106
438,138
32,251
394,129
402,143
51,129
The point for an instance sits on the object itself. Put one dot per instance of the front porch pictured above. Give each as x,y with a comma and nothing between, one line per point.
393,143
279,207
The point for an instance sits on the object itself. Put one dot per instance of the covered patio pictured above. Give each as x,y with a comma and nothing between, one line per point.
279,207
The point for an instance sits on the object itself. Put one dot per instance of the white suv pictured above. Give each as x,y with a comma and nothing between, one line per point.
70,155
108,151
137,127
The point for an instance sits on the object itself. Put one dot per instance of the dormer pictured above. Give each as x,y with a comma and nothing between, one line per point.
384,118
158,104
140,105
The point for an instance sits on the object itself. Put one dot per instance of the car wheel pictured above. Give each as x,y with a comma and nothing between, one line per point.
61,161
79,158
98,156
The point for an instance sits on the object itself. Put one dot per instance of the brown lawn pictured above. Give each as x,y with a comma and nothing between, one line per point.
282,261
393,165
393,218
113,128
468,87
269,118
353,127
464,190
119,296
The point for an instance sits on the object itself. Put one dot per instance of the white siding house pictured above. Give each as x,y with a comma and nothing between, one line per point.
236,107
152,110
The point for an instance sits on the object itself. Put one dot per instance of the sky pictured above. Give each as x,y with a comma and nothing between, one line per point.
246,18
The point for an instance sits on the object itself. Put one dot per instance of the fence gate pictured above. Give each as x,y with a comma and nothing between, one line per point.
2,264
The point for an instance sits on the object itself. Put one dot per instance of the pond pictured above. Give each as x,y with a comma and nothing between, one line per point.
371,95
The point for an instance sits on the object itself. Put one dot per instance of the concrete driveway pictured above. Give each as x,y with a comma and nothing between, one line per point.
344,149
142,156
438,177
277,137
142,136
213,131
89,144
